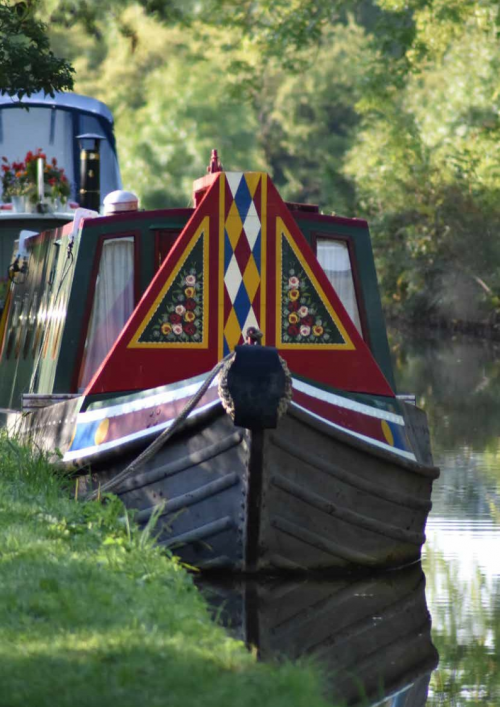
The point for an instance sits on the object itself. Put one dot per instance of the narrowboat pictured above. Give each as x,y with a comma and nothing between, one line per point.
225,370
370,636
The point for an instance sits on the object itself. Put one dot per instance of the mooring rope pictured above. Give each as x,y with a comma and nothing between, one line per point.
156,445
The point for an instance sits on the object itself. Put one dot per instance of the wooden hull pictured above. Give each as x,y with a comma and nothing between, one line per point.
372,636
303,497
331,501
306,496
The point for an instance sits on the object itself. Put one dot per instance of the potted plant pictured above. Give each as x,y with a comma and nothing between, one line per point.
15,184
19,180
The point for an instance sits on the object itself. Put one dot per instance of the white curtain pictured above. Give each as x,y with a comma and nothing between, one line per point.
333,256
113,304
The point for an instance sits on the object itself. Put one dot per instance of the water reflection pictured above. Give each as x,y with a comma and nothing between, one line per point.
371,635
457,381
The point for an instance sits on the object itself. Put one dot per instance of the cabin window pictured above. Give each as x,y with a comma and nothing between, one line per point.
112,306
334,258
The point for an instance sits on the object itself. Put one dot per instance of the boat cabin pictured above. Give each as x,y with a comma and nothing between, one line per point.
79,284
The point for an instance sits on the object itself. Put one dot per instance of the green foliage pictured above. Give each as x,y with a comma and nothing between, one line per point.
27,64
92,613
425,162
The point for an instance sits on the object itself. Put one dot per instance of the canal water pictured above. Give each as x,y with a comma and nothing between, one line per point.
457,382
374,636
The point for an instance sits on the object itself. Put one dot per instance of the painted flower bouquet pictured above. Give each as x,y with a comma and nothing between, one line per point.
21,178
304,317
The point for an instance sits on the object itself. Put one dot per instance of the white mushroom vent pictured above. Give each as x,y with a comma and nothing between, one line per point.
118,201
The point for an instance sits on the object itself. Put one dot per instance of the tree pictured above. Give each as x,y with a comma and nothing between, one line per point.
425,160
27,64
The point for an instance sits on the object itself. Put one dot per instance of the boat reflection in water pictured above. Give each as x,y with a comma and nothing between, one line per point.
372,636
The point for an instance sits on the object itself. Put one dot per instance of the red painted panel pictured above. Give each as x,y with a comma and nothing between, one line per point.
134,365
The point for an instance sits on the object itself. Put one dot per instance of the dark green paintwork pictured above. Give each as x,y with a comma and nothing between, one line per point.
360,237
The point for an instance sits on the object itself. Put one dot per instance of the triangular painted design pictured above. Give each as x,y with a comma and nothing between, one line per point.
178,316
306,318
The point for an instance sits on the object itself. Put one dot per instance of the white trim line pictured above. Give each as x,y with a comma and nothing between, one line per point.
145,432
375,442
168,396
346,403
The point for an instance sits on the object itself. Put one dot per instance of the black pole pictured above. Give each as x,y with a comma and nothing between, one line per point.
90,168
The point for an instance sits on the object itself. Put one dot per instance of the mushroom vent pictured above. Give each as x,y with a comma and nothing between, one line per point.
118,201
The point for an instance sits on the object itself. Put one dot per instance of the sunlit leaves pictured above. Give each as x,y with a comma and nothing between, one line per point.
27,63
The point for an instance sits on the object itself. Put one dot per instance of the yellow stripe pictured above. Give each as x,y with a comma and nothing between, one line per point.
222,191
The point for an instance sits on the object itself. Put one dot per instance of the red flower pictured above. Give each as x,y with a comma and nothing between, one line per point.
54,162
293,306
52,181
5,168
190,304
4,159
308,320
174,318
293,330
189,328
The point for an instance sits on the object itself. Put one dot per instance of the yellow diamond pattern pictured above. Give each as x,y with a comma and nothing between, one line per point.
251,278
234,225
232,330
252,179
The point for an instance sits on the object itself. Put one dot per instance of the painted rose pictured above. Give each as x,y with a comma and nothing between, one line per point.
303,311
308,321
293,306
305,330
293,282
189,291
189,317
177,329
175,318
189,328
318,330
166,329
190,304
293,318
293,330
294,295
180,309
191,280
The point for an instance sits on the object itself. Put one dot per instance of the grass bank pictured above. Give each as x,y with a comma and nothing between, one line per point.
92,613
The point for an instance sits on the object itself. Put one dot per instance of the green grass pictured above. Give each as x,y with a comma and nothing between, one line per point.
92,613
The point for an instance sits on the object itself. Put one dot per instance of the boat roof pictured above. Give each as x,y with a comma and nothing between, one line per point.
65,101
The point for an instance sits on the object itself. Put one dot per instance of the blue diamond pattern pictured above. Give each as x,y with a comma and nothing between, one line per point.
243,199
242,305
256,251
228,251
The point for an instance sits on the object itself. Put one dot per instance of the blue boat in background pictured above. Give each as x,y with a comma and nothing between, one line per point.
55,125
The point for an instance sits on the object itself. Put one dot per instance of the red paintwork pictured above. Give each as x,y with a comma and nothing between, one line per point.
348,419
127,369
